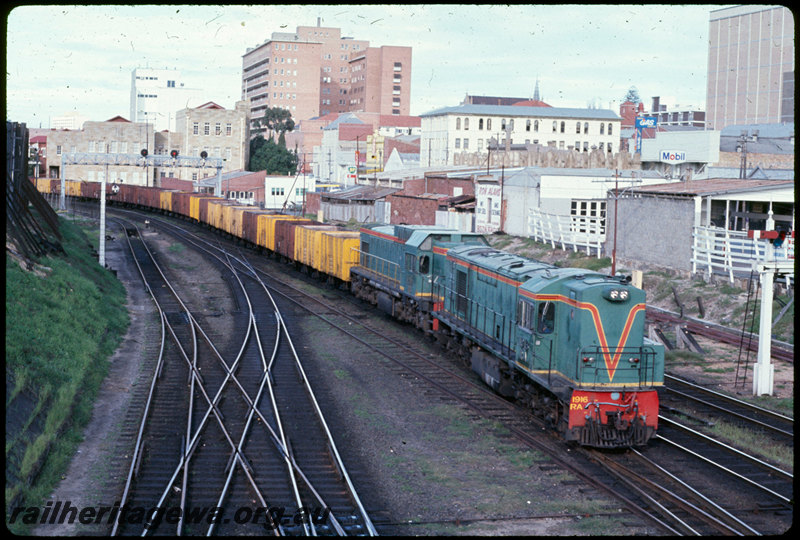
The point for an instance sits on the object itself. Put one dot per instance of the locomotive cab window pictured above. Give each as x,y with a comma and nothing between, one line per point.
525,311
546,318
424,264
410,260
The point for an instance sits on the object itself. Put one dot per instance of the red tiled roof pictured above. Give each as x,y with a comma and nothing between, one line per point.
531,103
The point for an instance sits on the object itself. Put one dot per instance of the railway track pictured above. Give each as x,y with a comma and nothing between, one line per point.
235,446
715,405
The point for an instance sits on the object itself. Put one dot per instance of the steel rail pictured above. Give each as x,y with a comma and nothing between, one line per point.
264,421
137,448
735,401
332,444
340,464
718,509
212,405
735,451
265,380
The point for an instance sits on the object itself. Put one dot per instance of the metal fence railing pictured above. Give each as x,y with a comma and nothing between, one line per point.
722,251
571,232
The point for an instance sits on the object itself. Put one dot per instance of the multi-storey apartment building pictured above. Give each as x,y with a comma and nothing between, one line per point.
314,70
157,93
750,66
470,128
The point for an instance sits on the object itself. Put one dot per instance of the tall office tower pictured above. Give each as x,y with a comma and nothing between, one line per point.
311,73
750,66
158,94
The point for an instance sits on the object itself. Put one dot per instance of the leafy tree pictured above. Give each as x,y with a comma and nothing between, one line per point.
266,155
275,120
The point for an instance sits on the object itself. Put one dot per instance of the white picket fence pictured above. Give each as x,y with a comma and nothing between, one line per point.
718,250
570,232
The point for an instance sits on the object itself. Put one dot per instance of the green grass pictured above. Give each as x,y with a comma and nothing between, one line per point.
62,324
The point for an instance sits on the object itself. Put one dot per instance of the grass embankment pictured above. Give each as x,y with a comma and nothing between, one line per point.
63,322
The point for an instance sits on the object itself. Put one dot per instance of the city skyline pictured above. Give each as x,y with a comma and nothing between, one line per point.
457,50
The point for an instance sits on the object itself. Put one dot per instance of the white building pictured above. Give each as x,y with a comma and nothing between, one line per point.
156,95
469,128
70,120
572,194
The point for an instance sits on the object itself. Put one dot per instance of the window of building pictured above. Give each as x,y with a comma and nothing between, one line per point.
536,126
195,128
228,129
578,128
480,123
458,142
489,124
602,129
586,128
527,125
458,123
206,129
609,128
555,126
466,124
562,127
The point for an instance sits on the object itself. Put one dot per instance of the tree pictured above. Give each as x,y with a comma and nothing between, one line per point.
275,120
266,155
633,95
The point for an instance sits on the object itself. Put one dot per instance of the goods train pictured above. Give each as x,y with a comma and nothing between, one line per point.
569,343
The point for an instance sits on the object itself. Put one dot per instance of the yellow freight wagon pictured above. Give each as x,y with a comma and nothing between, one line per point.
165,200
43,185
194,206
215,213
340,253
266,228
232,219
72,188
308,244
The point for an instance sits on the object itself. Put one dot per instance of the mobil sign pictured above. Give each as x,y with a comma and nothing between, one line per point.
672,156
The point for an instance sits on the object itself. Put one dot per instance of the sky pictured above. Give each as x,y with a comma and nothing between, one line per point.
78,59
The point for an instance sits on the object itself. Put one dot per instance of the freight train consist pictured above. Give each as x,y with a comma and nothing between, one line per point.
567,342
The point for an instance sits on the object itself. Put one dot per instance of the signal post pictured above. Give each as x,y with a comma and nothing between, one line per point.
764,370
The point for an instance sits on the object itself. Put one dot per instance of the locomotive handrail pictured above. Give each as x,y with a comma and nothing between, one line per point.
646,370
493,336
384,263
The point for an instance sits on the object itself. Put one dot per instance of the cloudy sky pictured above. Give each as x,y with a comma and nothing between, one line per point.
62,59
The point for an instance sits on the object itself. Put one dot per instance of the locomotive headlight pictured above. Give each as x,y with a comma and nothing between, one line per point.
616,294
